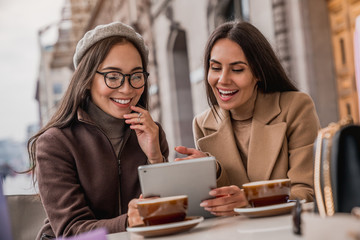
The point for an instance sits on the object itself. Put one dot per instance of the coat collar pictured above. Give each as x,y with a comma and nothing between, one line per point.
84,117
265,141
266,109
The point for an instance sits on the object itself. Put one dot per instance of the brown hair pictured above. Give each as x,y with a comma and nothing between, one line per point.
262,60
78,93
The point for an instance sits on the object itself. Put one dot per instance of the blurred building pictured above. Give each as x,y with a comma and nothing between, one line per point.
31,130
56,68
313,40
13,154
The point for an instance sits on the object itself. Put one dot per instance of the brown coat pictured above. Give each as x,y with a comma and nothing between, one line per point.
78,178
283,131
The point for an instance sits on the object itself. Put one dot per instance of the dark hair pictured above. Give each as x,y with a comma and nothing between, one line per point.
78,93
262,60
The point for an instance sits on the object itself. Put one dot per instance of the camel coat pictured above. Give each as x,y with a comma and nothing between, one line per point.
284,128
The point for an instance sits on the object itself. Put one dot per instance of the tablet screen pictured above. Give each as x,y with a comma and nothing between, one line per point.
194,177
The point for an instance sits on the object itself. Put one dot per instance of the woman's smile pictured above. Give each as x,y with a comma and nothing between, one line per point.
122,102
226,95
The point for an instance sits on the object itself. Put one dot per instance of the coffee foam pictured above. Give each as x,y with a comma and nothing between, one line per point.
259,183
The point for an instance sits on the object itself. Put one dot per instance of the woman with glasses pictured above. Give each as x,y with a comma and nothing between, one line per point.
86,157
259,126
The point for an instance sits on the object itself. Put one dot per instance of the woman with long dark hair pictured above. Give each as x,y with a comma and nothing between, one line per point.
259,126
86,157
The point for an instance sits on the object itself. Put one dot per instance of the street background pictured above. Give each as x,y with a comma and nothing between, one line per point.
314,41
20,21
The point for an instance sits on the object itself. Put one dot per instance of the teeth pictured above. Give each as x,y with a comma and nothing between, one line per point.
226,92
122,101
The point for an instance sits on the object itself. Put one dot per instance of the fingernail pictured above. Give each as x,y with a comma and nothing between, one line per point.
203,204
212,192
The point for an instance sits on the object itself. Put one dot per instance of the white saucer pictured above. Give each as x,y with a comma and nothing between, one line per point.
166,229
265,211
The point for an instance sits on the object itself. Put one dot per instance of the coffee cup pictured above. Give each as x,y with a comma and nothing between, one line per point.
269,192
163,210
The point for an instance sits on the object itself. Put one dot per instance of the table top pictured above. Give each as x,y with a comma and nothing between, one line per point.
236,227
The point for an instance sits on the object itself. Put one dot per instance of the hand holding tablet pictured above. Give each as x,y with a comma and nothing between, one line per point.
194,178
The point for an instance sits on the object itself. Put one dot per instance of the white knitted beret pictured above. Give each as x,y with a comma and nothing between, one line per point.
104,31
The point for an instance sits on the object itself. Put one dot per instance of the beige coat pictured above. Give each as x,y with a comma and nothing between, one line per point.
283,131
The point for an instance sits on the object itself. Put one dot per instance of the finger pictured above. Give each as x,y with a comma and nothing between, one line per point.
138,120
191,152
138,112
180,159
219,201
138,126
227,190
133,115
135,221
134,218
222,211
133,203
225,208
238,199
183,150
138,109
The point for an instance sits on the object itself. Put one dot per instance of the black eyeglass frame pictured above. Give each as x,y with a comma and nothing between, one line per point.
146,75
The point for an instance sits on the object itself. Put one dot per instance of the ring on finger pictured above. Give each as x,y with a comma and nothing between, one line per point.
139,115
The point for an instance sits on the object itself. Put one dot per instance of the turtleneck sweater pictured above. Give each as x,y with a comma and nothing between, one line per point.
114,128
241,119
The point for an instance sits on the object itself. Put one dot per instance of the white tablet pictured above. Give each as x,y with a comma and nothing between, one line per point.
194,177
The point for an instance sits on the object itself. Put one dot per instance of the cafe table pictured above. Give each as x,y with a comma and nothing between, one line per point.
236,227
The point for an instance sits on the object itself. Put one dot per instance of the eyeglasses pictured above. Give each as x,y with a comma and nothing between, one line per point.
116,79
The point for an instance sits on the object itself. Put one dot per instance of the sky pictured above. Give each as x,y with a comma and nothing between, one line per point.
20,21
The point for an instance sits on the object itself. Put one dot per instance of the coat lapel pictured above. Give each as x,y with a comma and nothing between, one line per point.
266,139
222,143
265,142
264,148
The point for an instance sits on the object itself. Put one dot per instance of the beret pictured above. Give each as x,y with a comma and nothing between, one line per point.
101,32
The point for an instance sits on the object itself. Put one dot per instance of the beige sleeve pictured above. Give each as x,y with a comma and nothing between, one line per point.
303,126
